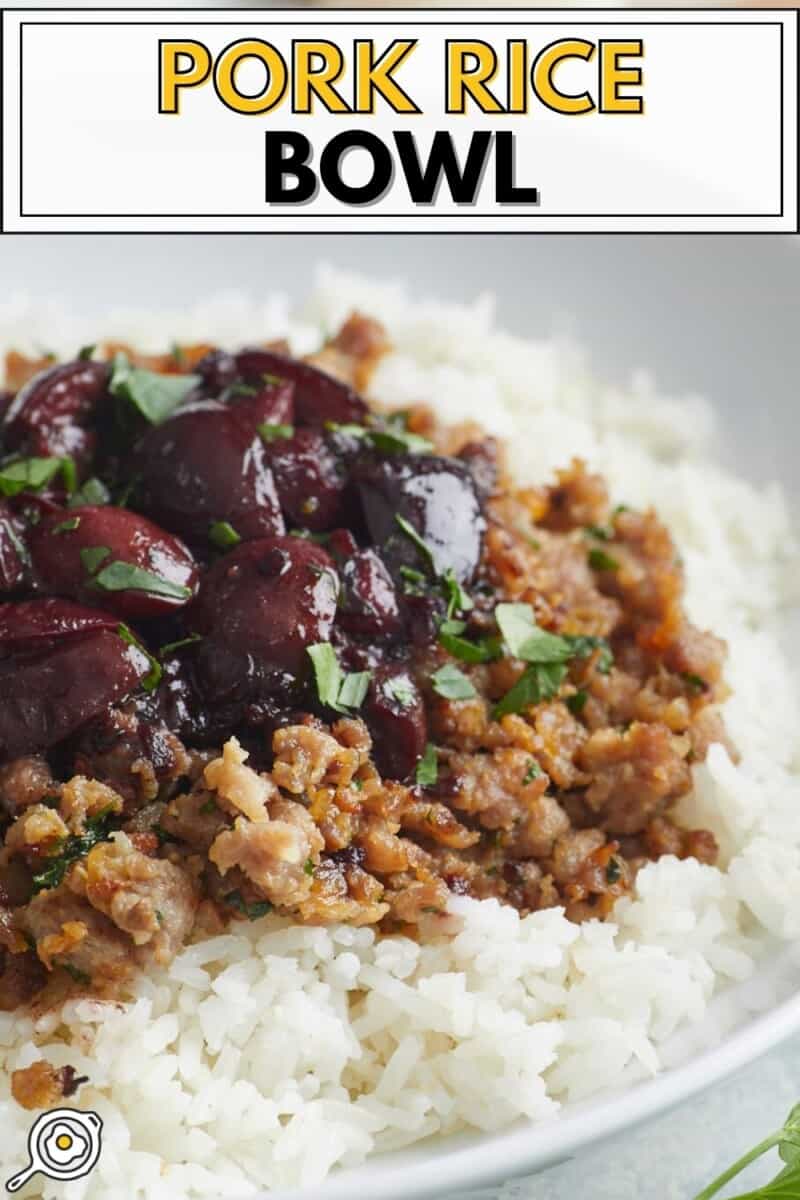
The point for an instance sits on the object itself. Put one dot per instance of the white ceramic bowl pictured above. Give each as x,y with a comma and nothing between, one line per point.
716,315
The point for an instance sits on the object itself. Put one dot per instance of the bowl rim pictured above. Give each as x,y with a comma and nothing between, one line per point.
493,1159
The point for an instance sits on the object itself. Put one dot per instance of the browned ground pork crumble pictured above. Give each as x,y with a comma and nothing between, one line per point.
557,802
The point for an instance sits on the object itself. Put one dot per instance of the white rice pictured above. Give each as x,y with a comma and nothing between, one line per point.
275,1053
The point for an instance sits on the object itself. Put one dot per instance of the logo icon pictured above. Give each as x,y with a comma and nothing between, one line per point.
63,1144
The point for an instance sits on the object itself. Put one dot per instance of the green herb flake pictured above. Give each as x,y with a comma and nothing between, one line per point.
274,433
308,867
392,438
92,556
152,679
457,599
72,850
695,682
253,912
125,577
600,561
452,684
601,533
427,771
32,474
208,808
92,492
170,647
481,651
577,702
76,974
538,682
583,645
223,535
420,543
534,771
155,396
86,353
335,689
613,871
67,526
526,640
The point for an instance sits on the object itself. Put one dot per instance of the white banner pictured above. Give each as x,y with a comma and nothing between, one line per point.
399,121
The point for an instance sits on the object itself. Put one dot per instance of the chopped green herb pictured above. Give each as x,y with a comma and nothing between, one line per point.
392,440
427,771
695,682
91,492
457,599
32,474
178,356
125,577
223,535
600,561
274,433
358,784
155,396
421,545
539,681
253,912
76,974
483,650
159,916
613,871
401,689
354,689
208,808
67,526
271,380
582,645
577,702
86,353
238,388
534,771
336,689
153,677
601,532
70,473
620,508
171,647
308,867
92,556
526,640
71,850
452,684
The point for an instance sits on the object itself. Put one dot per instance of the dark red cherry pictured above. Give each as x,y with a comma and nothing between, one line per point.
395,714
66,549
318,397
258,609
437,497
201,466
368,605
50,415
39,624
310,479
46,696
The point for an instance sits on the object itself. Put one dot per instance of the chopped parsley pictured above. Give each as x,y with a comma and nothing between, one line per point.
457,599
153,677
208,808
600,561
401,689
335,688
71,850
526,640
538,682
171,647
394,439
613,871
695,682
253,912
86,353
483,650
76,974
93,491
269,432
32,474
420,543
223,535
427,771
67,526
452,684
117,576
534,771
155,396
577,702
308,867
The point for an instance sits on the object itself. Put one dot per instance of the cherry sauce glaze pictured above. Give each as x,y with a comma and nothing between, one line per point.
184,550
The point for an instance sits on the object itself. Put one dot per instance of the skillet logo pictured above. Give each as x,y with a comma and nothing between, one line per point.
63,1144
255,78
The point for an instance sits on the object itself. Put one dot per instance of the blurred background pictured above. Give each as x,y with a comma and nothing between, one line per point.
717,315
